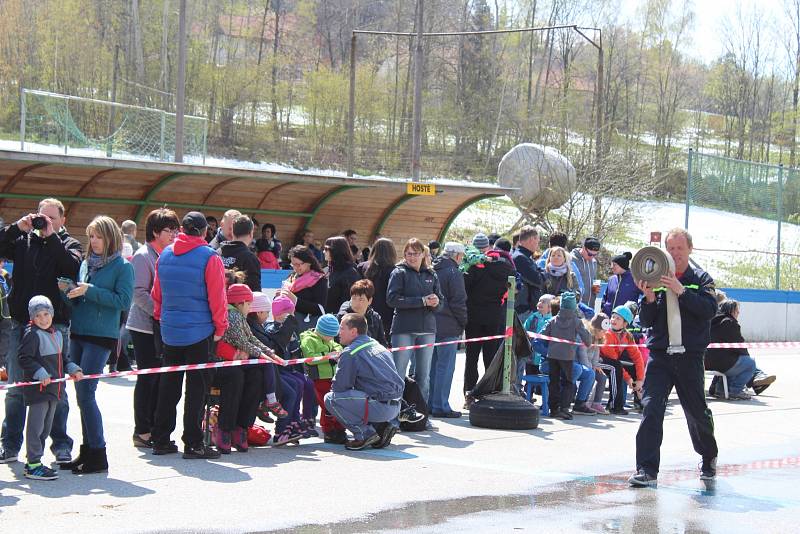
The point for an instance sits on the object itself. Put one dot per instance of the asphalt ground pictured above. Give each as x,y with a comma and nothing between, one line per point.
565,476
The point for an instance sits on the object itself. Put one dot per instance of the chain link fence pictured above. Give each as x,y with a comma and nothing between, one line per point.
744,219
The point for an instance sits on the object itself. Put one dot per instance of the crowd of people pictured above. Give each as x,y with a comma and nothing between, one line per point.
191,293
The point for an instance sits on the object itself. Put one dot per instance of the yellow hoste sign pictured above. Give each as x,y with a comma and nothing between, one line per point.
416,188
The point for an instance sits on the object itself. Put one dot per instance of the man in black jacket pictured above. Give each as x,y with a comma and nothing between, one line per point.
450,322
679,367
236,253
529,274
42,252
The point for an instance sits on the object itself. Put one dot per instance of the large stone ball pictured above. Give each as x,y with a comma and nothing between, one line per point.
543,177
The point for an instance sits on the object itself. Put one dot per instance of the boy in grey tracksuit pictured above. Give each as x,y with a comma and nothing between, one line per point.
565,325
365,389
42,358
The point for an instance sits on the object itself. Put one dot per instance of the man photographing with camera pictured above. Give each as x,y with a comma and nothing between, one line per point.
42,252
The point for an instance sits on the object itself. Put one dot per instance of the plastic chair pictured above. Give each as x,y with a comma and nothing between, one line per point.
544,382
724,381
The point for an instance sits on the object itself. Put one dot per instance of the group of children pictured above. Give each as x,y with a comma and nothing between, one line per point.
604,349
293,394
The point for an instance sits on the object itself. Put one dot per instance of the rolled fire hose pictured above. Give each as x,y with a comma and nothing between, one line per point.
650,264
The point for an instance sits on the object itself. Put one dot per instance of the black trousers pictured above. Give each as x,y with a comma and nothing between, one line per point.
169,393
474,350
685,372
241,390
147,348
561,394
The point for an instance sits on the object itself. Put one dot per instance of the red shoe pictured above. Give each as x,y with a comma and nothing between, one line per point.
276,409
222,440
239,439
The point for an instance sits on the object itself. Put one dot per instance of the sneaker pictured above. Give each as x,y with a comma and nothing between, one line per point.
563,414
337,437
263,413
763,379
708,469
740,395
276,409
359,444
63,457
239,439
160,449
8,457
140,442
284,438
200,452
599,408
309,429
619,411
581,408
642,480
386,434
410,415
758,390
221,440
39,472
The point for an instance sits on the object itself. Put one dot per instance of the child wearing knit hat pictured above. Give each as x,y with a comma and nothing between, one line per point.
42,358
283,332
619,346
319,342
241,386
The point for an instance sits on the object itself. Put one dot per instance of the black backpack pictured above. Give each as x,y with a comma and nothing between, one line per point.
413,395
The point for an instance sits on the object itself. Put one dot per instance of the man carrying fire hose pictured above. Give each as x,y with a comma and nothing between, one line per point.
679,302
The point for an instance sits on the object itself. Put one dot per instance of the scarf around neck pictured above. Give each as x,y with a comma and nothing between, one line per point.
560,270
305,280
95,262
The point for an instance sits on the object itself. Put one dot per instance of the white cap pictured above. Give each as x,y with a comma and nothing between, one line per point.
452,247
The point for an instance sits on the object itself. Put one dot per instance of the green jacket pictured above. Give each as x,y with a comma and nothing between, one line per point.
313,345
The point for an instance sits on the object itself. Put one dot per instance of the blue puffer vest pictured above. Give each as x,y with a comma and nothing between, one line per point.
185,314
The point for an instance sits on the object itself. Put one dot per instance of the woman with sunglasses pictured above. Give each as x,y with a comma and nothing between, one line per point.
415,295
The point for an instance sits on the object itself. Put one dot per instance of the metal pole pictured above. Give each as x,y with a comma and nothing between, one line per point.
351,116
780,223
181,92
22,113
163,131
416,140
688,189
205,140
109,142
508,341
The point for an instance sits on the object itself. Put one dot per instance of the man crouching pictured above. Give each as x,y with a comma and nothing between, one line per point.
366,389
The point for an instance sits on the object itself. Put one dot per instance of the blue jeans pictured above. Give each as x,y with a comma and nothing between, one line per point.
14,422
740,374
443,365
585,377
422,371
92,359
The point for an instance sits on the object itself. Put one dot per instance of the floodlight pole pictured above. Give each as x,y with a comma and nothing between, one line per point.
416,134
181,92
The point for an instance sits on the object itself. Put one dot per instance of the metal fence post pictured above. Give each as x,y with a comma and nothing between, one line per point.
688,189
205,140
780,223
509,341
22,113
163,128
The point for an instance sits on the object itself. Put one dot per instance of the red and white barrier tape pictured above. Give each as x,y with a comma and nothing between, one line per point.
332,356
236,363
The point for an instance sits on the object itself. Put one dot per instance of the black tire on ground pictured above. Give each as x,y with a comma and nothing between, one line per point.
506,412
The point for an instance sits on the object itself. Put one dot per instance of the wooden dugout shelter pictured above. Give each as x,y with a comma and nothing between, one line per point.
292,201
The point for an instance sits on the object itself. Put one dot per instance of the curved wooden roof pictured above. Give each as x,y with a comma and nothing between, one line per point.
327,204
